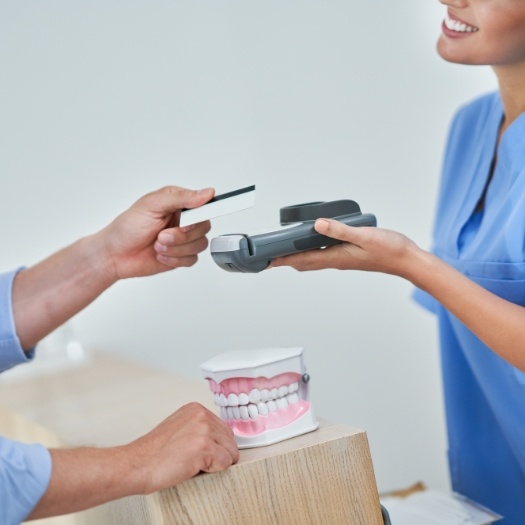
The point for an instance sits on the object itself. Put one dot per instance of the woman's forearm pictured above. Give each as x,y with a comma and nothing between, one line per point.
499,323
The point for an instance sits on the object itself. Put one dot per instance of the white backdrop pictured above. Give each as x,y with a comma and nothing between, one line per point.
103,101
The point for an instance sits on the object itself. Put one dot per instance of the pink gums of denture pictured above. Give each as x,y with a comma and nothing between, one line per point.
278,419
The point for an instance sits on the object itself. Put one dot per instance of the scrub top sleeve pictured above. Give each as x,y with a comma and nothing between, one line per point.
425,300
25,471
11,352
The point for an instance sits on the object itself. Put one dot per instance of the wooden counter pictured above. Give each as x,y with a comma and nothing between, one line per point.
323,477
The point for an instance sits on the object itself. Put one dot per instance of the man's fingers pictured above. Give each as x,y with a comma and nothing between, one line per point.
227,442
220,459
175,247
221,450
176,243
177,236
173,198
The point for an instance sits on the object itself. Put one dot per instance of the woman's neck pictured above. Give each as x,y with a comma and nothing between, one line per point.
511,82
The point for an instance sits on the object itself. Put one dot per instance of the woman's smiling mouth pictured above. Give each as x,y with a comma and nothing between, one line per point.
458,26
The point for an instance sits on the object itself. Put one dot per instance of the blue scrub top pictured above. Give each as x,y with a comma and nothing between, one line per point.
484,395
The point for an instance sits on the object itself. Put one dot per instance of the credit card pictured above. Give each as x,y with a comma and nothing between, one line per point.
222,204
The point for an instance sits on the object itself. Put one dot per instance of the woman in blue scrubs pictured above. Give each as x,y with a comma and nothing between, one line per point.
474,279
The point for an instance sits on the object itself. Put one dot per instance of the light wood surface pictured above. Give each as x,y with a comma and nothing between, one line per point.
106,401
323,477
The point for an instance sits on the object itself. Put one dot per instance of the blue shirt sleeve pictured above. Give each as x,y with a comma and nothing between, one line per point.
11,352
25,471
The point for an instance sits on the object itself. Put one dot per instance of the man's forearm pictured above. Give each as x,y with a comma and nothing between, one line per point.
86,477
51,292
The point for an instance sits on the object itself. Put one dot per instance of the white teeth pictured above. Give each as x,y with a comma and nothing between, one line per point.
292,398
252,410
262,408
244,412
460,27
257,403
265,395
255,396
233,400
282,403
243,399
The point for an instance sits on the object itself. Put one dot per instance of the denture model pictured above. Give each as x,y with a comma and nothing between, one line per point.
262,394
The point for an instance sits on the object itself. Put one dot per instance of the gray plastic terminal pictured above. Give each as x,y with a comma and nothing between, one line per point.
253,253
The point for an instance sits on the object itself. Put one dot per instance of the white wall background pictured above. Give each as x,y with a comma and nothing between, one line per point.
105,100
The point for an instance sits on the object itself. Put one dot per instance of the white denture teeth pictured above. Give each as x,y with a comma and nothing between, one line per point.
253,412
292,399
233,400
244,412
258,397
262,408
282,403
261,394
243,399
265,395
255,396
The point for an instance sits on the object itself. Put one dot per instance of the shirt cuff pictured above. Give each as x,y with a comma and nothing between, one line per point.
11,351
25,471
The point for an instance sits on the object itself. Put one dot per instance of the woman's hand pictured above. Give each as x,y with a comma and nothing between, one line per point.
363,248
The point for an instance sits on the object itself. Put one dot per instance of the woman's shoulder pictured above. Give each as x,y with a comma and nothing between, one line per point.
479,108
473,123
475,118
